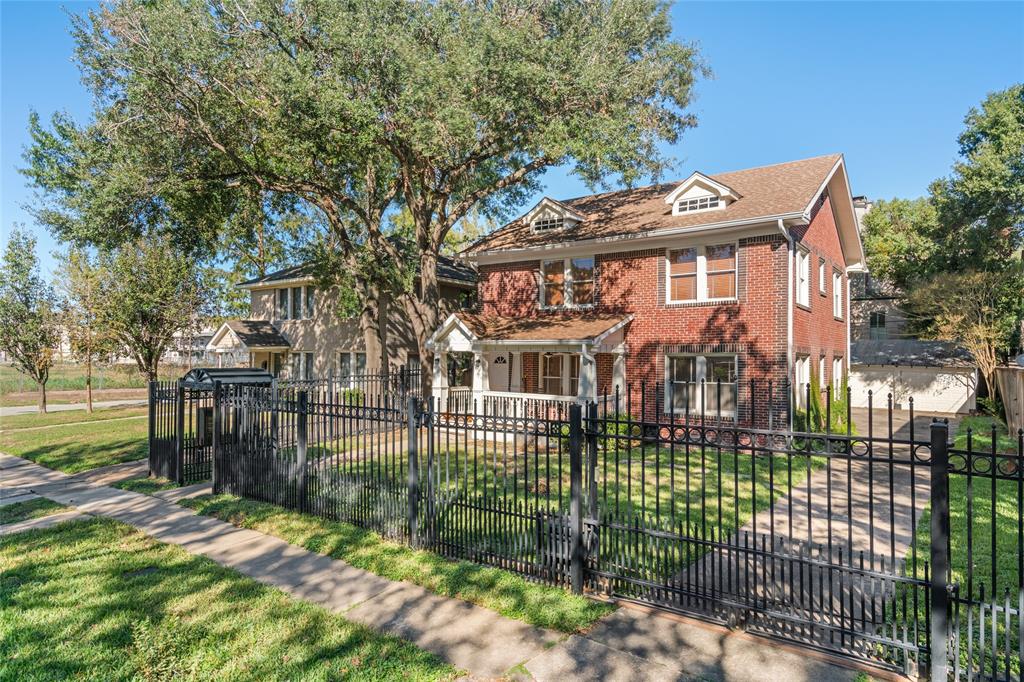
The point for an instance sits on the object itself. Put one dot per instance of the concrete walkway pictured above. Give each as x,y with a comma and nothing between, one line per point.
99,404
630,644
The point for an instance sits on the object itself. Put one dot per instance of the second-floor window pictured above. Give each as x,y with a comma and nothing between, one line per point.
567,282
803,277
702,273
837,294
821,275
294,303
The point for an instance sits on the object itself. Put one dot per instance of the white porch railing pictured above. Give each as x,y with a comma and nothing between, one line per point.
507,404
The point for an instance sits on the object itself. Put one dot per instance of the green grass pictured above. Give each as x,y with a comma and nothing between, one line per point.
98,600
980,427
72,378
498,590
79,448
30,509
30,421
972,514
145,485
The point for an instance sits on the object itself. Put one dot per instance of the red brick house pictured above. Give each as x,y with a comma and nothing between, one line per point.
735,279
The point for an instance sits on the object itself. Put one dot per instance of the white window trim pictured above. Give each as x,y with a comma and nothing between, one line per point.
837,294
702,373
821,275
565,378
677,205
802,366
567,288
803,270
289,308
702,273
837,373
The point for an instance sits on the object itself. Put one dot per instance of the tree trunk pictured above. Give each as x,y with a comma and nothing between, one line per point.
42,398
88,384
429,316
383,313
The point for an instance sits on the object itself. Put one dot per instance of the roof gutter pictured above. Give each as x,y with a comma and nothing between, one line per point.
652,234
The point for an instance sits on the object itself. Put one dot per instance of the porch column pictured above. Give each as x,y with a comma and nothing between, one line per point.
587,389
480,379
440,378
619,372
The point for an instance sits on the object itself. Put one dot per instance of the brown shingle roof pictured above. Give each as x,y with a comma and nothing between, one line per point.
765,191
563,326
258,334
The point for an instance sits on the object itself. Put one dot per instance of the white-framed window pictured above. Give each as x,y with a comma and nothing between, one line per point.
801,377
559,373
821,276
837,293
547,224
294,303
822,377
296,368
567,282
803,277
296,309
683,377
698,204
837,374
307,366
701,273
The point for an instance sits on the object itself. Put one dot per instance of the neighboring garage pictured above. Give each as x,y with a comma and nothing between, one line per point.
940,376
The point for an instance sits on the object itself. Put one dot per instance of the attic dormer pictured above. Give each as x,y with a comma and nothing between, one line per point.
700,193
550,216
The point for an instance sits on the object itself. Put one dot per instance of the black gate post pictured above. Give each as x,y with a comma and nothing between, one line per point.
152,422
178,466
939,626
412,425
576,498
591,434
215,455
301,449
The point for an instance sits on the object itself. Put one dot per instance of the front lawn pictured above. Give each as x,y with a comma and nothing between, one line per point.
80,447
493,588
99,600
30,509
36,420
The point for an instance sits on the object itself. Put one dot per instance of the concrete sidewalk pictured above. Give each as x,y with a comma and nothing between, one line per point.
630,644
98,404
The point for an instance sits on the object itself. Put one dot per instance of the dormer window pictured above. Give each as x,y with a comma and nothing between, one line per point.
551,216
549,223
700,193
692,205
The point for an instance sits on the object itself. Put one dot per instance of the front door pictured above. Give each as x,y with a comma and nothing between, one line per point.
499,371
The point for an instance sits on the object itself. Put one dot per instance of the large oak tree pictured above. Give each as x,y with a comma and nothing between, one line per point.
354,108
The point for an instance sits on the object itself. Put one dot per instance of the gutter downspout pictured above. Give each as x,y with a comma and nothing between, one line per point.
592,362
789,315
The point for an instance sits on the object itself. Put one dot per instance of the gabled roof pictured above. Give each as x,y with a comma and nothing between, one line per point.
253,334
448,269
697,178
909,352
765,193
562,327
553,204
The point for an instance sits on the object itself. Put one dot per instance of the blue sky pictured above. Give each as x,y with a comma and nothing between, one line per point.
887,84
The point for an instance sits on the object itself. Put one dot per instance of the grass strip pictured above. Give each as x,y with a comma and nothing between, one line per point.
99,600
81,447
36,420
508,594
145,485
29,509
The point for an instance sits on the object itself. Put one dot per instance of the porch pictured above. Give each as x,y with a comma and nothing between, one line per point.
534,366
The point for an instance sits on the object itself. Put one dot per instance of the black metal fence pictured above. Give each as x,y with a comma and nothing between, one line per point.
865,533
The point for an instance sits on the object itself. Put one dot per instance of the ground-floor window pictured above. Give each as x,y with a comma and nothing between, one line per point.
351,363
307,366
801,377
701,384
837,374
560,373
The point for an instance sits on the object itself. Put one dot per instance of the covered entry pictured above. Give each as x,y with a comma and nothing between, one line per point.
181,420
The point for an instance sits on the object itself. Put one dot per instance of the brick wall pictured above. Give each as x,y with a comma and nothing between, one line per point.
816,331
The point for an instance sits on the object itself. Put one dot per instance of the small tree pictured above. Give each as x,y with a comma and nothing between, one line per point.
80,282
150,291
29,330
977,309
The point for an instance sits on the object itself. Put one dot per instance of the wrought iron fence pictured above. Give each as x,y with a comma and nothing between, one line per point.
865,534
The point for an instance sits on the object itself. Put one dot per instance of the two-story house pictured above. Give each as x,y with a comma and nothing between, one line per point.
297,331
735,279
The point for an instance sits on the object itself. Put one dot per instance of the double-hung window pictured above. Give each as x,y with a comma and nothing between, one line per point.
876,325
801,378
296,303
837,374
821,276
551,373
351,363
282,304
837,294
567,282
701,273
803,277
701,384
309,303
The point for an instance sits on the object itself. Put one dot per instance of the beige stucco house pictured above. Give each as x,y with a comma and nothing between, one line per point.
295,329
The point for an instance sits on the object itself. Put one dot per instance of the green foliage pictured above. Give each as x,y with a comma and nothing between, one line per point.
151,291
901,240
29,324
816,419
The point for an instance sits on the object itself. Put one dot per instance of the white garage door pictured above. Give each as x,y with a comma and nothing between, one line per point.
934,389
